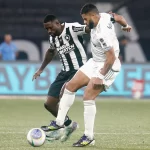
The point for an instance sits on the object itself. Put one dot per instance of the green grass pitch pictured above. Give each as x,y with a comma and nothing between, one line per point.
120,124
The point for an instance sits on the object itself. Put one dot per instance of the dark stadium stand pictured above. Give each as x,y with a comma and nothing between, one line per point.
23,18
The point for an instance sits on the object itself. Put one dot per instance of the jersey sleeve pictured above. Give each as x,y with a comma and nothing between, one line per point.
78,29
110,17
107,33
52,42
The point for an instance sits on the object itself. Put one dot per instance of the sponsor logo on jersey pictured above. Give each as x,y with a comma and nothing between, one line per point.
101,40
77,29
65,48
109,25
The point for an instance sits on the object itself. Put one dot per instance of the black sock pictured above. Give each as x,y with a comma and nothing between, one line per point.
67,121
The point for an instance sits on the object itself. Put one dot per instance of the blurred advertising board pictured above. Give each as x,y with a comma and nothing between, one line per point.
16,79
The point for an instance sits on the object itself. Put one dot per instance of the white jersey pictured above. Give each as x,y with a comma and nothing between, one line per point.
103,37
69,46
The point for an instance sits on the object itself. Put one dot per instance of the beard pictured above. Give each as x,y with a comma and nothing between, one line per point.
91,24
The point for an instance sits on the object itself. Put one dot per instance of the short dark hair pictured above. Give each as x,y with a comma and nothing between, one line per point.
49,17
88,8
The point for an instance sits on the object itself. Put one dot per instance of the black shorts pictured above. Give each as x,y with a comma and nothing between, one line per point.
56,86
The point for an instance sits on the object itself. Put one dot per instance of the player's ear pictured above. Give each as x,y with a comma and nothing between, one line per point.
57,22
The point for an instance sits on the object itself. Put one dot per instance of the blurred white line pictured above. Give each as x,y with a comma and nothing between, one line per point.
123,133
9,132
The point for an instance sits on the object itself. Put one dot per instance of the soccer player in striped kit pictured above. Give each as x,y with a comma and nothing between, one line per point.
65,40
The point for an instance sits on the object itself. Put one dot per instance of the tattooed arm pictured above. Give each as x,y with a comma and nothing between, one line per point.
110,58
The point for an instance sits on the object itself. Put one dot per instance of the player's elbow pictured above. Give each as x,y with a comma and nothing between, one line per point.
119,18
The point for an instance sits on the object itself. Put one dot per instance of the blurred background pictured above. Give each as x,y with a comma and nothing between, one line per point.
21,21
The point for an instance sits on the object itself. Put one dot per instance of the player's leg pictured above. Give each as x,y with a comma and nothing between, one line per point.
89,114
80,79
89,105
51,105
53,97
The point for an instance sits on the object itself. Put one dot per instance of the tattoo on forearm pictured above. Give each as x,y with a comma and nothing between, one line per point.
106,68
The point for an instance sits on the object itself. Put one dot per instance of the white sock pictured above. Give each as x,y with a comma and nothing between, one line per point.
65,104
89,117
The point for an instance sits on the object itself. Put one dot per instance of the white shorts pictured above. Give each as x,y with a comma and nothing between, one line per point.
91,67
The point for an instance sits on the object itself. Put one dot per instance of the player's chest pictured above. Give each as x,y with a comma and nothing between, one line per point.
64,45
95,38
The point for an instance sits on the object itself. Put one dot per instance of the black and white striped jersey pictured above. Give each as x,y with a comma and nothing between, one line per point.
69,46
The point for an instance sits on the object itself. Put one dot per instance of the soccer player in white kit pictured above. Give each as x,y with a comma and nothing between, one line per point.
98,73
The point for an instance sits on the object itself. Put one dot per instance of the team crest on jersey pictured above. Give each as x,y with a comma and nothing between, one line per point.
77,29
104,44
101,40
67,37
109,25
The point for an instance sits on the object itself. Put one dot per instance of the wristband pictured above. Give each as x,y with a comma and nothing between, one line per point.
125,27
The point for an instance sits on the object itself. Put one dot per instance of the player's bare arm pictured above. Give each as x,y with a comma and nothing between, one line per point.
110,59
47,59
121,20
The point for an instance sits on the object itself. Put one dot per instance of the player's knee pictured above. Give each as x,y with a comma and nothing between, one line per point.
48,107
72,86
62,90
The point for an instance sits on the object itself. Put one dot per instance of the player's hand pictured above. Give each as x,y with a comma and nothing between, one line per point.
97,83
127,28
37,74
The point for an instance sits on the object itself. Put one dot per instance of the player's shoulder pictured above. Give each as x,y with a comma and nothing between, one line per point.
105,15
72,24
75,26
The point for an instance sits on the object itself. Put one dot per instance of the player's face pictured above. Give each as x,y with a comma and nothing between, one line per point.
88,20
53,28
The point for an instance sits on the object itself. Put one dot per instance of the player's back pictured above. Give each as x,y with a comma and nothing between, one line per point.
103,37
69,46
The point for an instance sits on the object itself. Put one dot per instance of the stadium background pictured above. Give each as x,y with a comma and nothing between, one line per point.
23,19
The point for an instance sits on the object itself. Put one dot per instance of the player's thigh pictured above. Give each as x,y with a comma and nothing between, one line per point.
78,81
55,88
90,93
82,77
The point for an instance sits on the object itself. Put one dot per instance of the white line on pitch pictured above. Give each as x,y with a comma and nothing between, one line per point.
123,133
9,132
